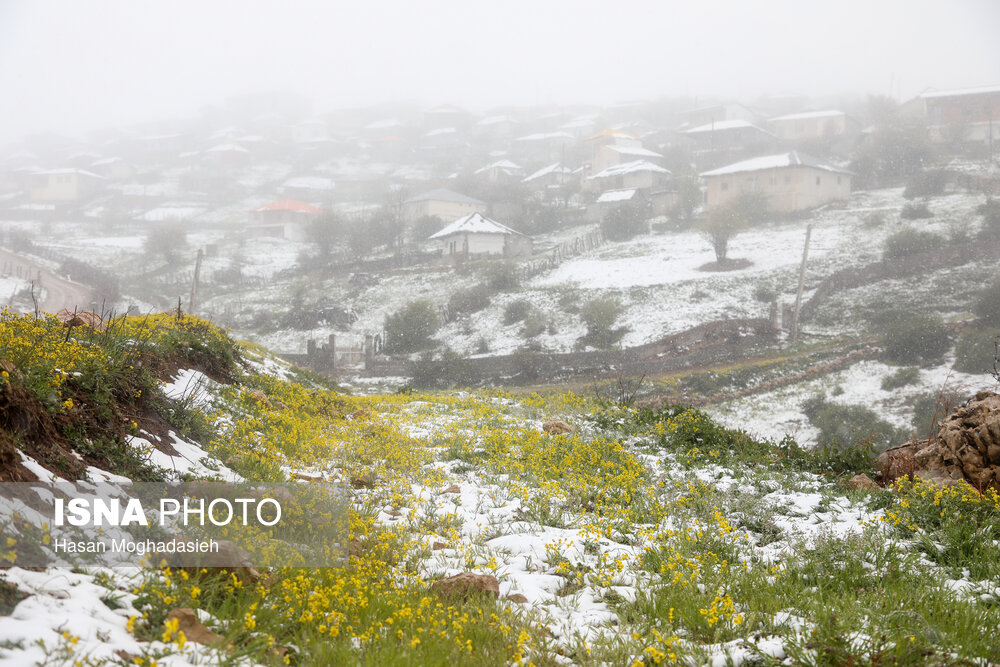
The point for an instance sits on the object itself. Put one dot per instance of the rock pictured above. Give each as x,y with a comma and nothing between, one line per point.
862,482
437,546
193,629
466,585
309,476
557,427
454,488
517,598
259,396
965,448
360,414
363,481
84,318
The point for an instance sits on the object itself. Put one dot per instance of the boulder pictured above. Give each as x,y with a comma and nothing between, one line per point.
454,488
83,318
193,629
556,426
965,448
465,585
517,598
862,482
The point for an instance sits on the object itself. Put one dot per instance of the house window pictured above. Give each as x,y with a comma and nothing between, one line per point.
725,185
817,180
774,179
788,179
838,180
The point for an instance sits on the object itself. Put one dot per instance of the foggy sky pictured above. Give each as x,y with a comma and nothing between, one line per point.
72,65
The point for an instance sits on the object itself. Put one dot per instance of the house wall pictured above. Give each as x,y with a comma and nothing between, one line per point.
787,188
58,187
963,109
486,244
447,211
811,128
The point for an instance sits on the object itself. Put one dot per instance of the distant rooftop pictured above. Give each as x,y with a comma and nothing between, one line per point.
790,159
961,92
443,194
289,205
611,196
475,223
804,115
630,168
723,125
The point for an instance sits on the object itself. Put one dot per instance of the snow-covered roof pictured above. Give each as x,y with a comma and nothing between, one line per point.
493,120
288,205
383,124
790,159
542,136
475,223
502,165
227,148
805,115
610,196
723,125
637,151
309,183
957,92
630,168
79,172
441,130
443,194
556,168
614,133
106,161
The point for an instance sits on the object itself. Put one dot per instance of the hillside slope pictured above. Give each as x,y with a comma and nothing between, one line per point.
637,537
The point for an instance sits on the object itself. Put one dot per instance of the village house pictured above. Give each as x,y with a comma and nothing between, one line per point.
63,185
287,219
967,115
476,236
501,171
714,113
729,135
551,177
442,204
813,125
638,174
791,181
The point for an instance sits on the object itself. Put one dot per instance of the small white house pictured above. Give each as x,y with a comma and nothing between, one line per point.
476,234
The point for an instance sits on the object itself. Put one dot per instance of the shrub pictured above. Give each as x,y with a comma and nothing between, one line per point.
469,300
502,276
410,328
901,378
908,242
849,425
443,371
600,315
517,311
765,292
910,338
987,306
534,324
915,212
974,350
926,184
623,222
930,409
990,210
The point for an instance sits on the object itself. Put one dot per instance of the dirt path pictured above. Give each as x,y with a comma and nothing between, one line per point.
59,292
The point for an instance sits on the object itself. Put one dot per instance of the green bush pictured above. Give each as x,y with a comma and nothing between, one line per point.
910,241
926,184
975,350
912,338
443,371
469,300
535,324
502,276
517,311
850,425
930,409
623,222
915,212
901,378
600,315
987,306
410,328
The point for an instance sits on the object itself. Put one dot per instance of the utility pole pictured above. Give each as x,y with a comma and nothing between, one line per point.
194,283
802,279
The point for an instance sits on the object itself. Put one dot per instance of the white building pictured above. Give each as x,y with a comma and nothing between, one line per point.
476,234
